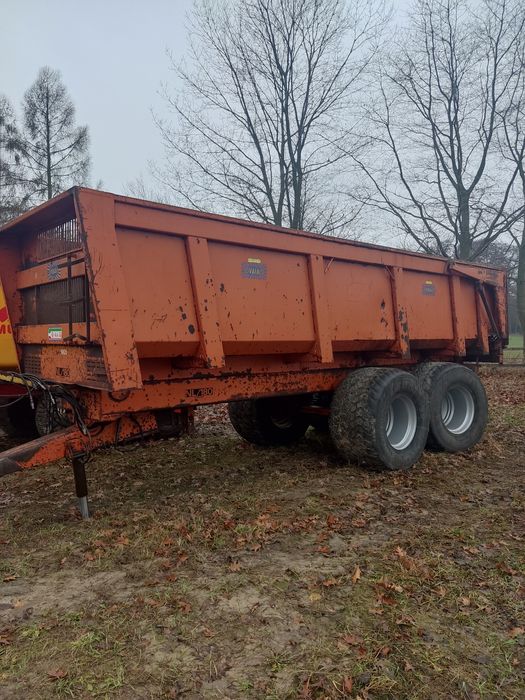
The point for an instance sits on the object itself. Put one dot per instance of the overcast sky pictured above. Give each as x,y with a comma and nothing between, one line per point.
112,56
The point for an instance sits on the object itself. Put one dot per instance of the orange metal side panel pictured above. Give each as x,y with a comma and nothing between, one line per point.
180,295
96,212
132,213
359,300
160,294
428,306
263,300
466,305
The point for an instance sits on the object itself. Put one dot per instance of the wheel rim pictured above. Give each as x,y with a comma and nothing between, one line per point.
401,422
458,410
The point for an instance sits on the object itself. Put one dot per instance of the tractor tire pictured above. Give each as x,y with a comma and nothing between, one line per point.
379,418
458,405
270,421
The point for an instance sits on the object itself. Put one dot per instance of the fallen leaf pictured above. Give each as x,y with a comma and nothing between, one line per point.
516,632
405,561
471,550
386,600
314,597
11,577
122,540
408,666
356,575
359,522
234,566
348,683
57,674
404,620
329,582
465,601
352,639
152,602
332,521
507,569
184,606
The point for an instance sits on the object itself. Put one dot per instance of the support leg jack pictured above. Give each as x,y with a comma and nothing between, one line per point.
79,472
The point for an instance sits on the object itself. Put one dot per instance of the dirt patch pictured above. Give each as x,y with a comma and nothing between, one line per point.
213,569
58,592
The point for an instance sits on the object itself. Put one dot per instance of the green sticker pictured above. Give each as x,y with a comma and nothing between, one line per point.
54,333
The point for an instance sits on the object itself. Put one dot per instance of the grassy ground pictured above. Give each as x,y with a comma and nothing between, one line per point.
212,569
513,353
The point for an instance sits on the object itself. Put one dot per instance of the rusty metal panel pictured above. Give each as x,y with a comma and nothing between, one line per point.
107,283
177,294
359,300
263,299
428,306
164,319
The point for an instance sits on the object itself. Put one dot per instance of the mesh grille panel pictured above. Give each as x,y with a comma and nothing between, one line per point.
58,240
31,358
49,303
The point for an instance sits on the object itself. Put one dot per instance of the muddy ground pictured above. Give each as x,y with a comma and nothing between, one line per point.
213,569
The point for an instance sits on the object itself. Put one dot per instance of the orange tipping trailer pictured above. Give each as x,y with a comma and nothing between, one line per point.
126,313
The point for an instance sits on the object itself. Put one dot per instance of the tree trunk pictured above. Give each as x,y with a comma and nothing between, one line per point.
464,239
48,150
520,289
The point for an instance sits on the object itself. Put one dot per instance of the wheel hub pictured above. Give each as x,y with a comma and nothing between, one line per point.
458,410
401,424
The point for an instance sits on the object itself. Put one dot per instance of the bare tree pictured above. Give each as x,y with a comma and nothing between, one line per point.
265,104
437,125
12,197
139,187
55,151
513,149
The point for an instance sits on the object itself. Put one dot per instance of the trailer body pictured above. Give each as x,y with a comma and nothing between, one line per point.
140,307
117,294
